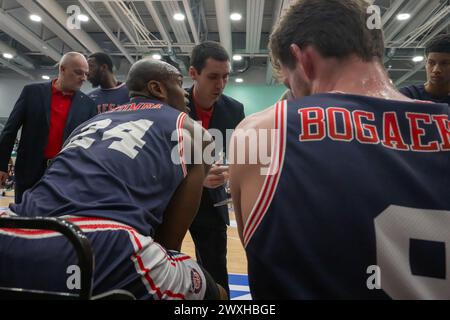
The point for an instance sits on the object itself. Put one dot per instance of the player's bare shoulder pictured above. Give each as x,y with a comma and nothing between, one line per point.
193,127
252,134
261,120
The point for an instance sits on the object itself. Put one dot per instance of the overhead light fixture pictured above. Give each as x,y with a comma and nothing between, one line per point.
8,55
236,16
44,77
403,16
157,56
83,18
418,59
239,80
179,16
35,18
237,57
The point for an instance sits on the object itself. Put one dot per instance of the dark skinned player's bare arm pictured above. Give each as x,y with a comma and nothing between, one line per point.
185,202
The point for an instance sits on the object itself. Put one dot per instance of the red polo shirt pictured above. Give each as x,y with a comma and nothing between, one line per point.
203,115
59,109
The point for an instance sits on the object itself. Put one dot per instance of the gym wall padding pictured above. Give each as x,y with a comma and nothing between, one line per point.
255,97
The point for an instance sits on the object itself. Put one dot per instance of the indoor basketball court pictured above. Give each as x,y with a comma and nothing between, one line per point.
183,147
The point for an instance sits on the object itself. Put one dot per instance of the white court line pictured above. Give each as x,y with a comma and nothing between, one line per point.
234,287
244,297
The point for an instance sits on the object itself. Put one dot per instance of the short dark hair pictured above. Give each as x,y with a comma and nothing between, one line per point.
206,50
103,58
440,43
336,28
146,70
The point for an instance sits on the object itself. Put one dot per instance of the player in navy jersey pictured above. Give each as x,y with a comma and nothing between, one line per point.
118,180
437,87
111,93
353,203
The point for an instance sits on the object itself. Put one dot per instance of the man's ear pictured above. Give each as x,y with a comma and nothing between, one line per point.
305,59
157,90
193,73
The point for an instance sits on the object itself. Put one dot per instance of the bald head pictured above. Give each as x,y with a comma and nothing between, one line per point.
157,80
73,70
146,70
71,57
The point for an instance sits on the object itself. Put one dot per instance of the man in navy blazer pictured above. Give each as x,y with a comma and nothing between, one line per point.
210,70
47,114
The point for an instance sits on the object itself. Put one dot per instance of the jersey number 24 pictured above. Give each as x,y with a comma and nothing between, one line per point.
129,133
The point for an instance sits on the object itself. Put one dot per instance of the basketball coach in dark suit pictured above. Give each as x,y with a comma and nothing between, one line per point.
210,70
47,114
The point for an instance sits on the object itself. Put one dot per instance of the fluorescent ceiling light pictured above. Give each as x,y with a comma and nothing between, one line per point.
157,56
418,59
83,18
8,56
403,16
239,80
44,77
237,57
35,18
179,16
236,16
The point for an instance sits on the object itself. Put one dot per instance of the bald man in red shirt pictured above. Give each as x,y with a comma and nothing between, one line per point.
47,113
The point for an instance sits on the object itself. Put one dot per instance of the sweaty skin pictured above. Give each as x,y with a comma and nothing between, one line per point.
246,180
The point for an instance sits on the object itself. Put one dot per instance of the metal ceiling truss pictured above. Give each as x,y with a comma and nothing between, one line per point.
121,23
179,28
393,29
10,65
53,25
133,39
224,24
106,29
144,38
19,58
57,14
255,14
23,35
279,8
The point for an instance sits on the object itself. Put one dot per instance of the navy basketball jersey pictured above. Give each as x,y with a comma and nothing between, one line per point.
357,202
123,165
108,99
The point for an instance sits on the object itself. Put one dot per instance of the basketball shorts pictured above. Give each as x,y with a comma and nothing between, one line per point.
124,260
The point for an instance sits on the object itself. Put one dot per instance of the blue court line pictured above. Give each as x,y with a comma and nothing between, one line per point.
238,279
238,286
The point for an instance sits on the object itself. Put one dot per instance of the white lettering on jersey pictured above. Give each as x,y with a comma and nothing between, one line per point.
81,139
131,134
